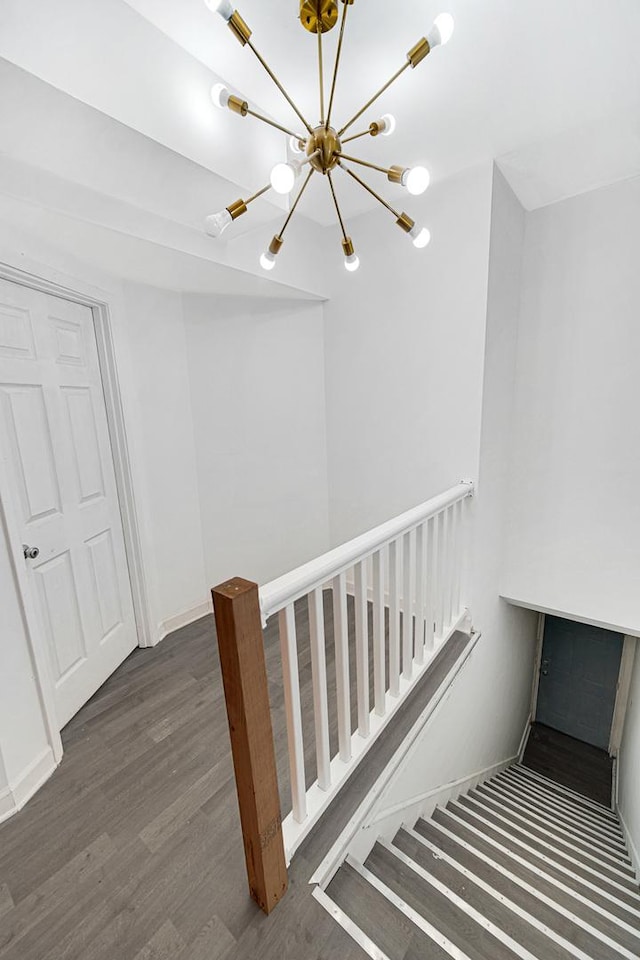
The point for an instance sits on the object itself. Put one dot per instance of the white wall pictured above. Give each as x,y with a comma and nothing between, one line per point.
256,370
629,768
404,349
573,545
480,723
157,355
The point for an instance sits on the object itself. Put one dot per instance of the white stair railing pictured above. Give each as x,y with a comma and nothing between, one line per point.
413,566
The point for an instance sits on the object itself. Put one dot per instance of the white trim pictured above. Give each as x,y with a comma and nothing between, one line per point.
557,848
535,686
461,904
529,815
575,919
555,812
529,918
317,799
524,740
17,794
622,696
633,850
336,854
564,804
554,863
547,877
579,799
563,615
349,926
182,620
412,915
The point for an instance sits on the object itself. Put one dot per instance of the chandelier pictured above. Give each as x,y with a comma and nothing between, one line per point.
321,148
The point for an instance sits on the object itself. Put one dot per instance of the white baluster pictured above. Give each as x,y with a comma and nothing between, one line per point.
341,639
420,590
460,556
394,618
407,607
439,573
451,535
379,641
362,648
319,680
430,584
291,681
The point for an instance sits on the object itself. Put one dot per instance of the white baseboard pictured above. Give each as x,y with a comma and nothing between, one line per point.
389,821
17,794
634,853
183,619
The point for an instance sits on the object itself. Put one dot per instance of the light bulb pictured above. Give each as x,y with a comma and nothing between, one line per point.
223,7
389,124
267,260
420,236
294,143
352,262
283,177
217,223
220,95
416,180
441,31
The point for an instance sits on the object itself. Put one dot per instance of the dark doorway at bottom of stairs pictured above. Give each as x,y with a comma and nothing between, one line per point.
587,770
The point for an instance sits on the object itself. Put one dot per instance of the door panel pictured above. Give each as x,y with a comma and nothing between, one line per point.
579,680
54,440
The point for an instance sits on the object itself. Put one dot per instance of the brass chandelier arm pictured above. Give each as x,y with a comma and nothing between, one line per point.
337,64
296,202
364,163
373,99
282,90
321,73
356,136
371,191
335,200
256,195
272,123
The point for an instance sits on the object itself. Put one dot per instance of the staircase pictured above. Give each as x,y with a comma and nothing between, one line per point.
520,867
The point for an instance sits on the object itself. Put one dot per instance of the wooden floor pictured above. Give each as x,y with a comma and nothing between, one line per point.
132,851
577,765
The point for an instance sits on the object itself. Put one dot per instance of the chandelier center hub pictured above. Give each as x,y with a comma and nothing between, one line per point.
324,142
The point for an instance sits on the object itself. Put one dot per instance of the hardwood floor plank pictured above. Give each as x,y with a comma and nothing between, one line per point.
134,844
164,945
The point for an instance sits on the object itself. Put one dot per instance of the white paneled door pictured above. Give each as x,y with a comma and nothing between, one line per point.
54,441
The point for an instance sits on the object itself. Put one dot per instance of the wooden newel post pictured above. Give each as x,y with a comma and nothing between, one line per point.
244,673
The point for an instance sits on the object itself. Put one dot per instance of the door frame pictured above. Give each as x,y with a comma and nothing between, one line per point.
99,303
622,691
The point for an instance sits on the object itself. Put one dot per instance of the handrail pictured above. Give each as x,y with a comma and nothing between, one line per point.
275,596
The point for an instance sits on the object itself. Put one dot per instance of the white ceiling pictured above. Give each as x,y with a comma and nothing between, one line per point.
551,87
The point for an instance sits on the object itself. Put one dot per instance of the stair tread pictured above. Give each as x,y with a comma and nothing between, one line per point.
390,930
604,812
623,888
503,884
543,807
535,864
461,929
574,846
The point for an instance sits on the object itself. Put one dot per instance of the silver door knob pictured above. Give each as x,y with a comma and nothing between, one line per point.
30,553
